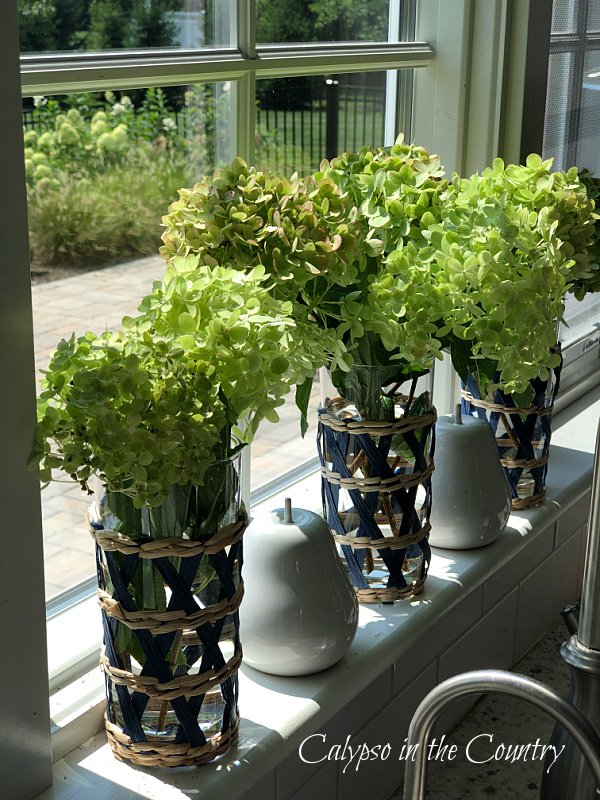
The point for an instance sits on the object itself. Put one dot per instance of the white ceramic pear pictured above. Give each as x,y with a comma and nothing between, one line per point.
299,613
471,499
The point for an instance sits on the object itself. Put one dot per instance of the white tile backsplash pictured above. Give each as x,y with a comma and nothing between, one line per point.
510,573
293,772
545,592
377,778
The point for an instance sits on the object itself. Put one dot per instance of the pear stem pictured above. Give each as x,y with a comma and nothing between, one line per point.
458,414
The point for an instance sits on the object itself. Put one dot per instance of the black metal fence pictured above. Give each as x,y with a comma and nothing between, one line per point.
340,117
299,124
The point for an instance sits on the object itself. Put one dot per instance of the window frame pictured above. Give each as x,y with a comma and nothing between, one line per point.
581,357
241,63
456,85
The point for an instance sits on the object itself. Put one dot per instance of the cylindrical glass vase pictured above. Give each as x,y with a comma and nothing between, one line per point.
522,433
170,587
376,443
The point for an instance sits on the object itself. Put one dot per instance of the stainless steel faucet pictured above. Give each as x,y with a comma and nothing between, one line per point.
482,681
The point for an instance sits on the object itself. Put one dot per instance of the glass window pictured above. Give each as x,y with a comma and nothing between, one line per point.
103,166
558,102
572,137
94,25
588,140
279,21
564,18
302,120
593,17
101,171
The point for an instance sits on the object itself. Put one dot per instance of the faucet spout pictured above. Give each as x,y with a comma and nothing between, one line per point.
481,682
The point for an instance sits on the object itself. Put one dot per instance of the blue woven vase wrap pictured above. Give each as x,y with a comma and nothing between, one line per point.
178,646
382,496
522,434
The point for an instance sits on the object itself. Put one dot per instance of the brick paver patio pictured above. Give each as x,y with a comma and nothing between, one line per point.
95,301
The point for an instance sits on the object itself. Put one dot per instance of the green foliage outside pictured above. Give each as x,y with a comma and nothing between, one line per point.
100,172
60,25
321,20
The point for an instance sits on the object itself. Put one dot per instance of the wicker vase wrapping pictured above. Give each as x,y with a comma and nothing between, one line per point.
522,434
170,615
376,489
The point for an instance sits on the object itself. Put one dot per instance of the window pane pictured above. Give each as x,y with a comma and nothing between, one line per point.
564,16
96,25
593,19
279,447
322,20
588,151
582,317
302,120
101,172
558,109
571,138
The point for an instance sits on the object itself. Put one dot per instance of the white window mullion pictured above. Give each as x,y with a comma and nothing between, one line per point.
486,79
391,78
25,756
244,117
440,91
243,36
243,29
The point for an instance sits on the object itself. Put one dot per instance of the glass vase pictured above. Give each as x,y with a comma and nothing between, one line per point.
171,622
376,449
522,431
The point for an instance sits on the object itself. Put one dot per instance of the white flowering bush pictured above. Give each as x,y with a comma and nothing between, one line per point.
99,176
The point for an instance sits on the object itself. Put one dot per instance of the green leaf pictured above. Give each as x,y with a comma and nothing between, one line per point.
123,508
186,323
303,392
461,355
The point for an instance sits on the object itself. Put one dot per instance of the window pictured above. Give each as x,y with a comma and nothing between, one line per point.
438,73
105,156
116,118
571,136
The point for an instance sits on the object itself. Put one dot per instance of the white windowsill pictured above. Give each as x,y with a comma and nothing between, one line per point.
278,713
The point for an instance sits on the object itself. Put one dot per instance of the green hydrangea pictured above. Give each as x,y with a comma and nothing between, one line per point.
155,403
396,189
42,171
243,216
581,286
501,268
396,195
46,142
30,138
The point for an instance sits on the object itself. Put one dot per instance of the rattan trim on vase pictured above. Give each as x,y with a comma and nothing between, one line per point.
540,411
377,484
158,753
385,595
512,463
181,686
522,504
376,427
173,547
391,542
159,622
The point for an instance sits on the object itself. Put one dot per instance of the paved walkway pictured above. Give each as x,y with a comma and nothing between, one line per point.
95,301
